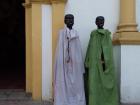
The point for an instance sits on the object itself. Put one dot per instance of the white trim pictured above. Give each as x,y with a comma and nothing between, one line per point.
46,52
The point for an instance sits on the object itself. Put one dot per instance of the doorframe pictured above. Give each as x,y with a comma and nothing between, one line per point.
33,24
33,28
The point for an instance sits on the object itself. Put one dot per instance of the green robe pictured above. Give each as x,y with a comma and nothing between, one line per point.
100,85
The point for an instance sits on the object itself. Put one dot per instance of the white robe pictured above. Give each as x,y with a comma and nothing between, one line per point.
68,78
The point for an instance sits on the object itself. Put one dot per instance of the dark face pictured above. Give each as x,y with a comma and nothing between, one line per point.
69,21
100,22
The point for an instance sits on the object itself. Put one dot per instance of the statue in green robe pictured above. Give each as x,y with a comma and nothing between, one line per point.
100,81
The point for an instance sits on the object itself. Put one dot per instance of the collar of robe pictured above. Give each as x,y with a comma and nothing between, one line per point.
101,31
71,34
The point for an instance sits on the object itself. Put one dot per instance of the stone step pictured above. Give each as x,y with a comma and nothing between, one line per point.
18,97
19,94
29,102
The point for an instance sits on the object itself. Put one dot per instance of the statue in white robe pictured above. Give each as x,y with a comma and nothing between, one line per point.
69,67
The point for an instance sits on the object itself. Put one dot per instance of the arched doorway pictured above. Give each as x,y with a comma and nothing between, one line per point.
12,44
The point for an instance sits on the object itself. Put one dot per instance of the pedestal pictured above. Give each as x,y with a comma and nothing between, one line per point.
127,65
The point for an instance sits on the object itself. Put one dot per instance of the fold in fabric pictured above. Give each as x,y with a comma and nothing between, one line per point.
100,85
69,69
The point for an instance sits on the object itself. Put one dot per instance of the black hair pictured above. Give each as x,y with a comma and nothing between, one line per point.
69,15
100,17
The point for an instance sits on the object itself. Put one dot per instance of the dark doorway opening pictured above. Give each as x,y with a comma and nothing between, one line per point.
12,44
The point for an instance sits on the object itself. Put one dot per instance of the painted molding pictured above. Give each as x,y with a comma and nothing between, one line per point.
27,5
58,1
128,27
41,1
48,1
126,38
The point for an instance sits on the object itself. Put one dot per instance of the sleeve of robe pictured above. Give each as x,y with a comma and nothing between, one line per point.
80,52
87,53
58,53
86,75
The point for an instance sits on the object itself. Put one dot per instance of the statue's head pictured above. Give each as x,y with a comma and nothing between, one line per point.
100,22
69,20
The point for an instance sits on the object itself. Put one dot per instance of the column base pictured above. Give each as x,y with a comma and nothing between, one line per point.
130,104
127,27
127,66
124,38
